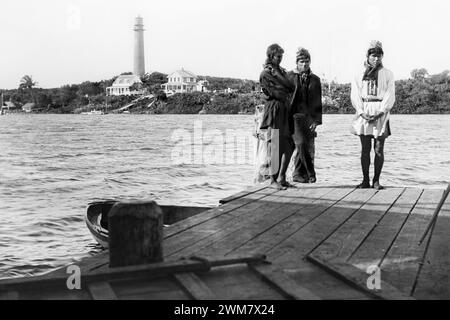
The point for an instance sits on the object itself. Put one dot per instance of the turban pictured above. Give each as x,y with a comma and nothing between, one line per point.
302,53
375,46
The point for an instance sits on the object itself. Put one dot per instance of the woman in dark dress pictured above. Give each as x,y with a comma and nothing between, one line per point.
277,89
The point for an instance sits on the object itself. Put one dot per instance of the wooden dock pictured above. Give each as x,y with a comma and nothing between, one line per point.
319,242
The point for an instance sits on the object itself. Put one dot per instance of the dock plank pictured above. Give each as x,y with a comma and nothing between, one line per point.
9,295
101,291
299,244
434,278
202,230
283,282
375,247
238,282
248,224
151,289
194,286
358,278
345,240
215,212
265,241
321,282
401,264
243,193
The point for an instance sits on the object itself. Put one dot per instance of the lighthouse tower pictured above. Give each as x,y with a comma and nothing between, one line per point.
139,60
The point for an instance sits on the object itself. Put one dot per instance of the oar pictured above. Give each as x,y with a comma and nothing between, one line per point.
435,214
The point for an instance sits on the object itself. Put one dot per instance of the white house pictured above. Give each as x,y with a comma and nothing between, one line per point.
181,81
28,107
121,86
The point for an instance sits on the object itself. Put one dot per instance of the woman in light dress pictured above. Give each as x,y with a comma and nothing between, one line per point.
372,96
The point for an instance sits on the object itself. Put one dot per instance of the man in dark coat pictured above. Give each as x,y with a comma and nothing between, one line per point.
306,111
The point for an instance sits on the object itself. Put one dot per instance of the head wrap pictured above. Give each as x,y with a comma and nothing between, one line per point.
302,53
375,46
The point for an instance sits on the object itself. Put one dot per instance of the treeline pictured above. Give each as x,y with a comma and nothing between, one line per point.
239,85
205,102
421,94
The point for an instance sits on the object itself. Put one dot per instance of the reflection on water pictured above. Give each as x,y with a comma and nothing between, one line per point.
52,166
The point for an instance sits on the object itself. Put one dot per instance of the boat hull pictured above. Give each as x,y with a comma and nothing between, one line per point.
97,217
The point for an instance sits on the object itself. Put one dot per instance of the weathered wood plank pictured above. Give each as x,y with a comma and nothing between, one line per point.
321,282
358,278
248,224
268,220
401,264
238,282
54,293
313,234
265,241
215,212
283,282
344,241
9,295
434,278
374,248
101,291
244,193
195,233
196,288
148,271
142,287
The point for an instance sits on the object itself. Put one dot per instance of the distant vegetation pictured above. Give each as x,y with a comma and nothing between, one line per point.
421,94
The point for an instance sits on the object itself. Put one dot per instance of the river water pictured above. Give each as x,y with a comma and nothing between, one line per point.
52,166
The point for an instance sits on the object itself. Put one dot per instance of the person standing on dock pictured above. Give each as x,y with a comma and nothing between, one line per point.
372,96
306,110
277,89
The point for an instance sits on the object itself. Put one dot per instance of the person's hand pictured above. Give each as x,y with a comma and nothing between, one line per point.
365,116
276,72
378,116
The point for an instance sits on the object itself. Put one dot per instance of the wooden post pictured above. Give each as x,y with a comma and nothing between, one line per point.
135,233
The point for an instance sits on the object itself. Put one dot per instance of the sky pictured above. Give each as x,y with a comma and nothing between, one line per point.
61,42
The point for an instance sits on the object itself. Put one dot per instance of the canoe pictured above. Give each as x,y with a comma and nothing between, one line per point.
97,217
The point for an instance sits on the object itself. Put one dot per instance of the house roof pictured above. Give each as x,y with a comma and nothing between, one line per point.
28,105
182,73
126,80
180,83
9,104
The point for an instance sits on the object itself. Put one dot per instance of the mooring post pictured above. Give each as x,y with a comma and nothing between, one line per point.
135,233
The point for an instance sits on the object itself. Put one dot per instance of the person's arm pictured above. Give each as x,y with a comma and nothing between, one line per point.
284,79
318,104
267,82
389,96
356,99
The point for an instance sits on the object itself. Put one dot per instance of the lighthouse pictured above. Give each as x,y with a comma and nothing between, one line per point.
139,60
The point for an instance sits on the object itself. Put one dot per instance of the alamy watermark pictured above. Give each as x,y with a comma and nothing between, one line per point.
374,280
74,279
212,146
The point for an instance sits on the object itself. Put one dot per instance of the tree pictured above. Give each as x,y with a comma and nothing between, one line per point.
153,81
419,74
27,83
136,87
